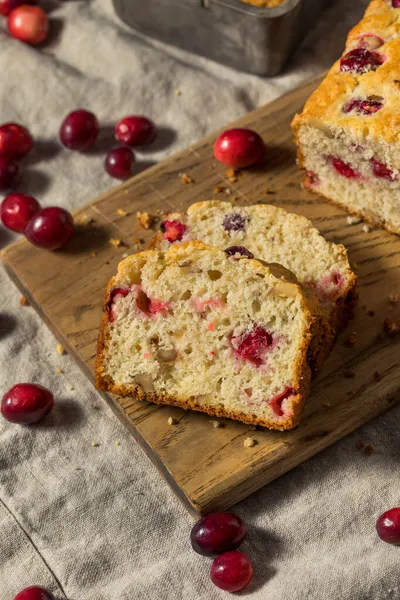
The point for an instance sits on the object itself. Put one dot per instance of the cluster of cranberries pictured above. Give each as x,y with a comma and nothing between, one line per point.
221,534
80,129
27,23
50,227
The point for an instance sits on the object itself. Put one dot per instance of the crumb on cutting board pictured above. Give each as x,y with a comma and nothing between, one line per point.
144,219
24,301
249,442
60,349
186,178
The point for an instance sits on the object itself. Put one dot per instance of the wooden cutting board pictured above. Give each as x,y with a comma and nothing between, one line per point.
210,468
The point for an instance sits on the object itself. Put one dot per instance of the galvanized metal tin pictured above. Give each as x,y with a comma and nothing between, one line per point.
248,38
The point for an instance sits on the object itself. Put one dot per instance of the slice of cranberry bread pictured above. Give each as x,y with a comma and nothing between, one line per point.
274,235
198,328
348,134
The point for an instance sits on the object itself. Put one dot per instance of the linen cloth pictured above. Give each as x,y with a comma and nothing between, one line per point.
114,530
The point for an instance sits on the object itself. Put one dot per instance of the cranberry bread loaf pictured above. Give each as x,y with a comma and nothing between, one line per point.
198,328
274,235
348,134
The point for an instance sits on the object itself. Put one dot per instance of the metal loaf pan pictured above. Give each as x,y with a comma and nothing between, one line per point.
248,38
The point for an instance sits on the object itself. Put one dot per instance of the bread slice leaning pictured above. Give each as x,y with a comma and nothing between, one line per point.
196,328
274,235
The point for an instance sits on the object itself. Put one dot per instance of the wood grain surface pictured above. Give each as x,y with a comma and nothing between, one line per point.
210,468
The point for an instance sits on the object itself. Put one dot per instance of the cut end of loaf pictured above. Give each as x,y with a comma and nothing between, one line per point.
195,328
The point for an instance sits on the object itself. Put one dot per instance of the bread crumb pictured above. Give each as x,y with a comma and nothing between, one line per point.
77,468
95,444
59,371
371,313
252,427
93,254
121,212
353,220
227,191
249,442
85,220
177,92
60,349
172,421
218,189
125,255
144,220
69,388
117,443
106,262
377,375
349,374
394,298
231,175
234,199
116,243
266,191
360,445
351,340
369,450
185,178
24,301
327,404
366,229
215,424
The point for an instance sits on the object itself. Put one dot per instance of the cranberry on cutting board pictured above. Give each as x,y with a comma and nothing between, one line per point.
16,210
50,228
6,6
29,24
239,148
26,403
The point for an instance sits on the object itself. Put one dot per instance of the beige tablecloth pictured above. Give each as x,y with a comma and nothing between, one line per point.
114,530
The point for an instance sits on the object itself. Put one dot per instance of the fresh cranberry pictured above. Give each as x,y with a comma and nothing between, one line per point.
252,345
239,148
135,131
173,231
6,6
234,222
15,141
396,3
114,294
17,209
276,402
50,228
369,41
388,526
30,24
360,61
34,592
119,162
217,532
26,403
8,173
382,171
231,571
344,169
363,107
233,250
79,130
